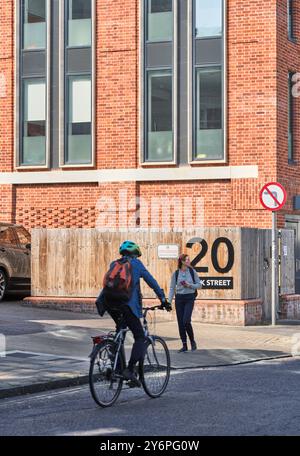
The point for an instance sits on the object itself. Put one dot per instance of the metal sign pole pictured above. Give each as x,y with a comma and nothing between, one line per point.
273,197
274,268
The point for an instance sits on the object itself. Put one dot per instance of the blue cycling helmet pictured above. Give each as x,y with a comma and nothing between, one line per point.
130,248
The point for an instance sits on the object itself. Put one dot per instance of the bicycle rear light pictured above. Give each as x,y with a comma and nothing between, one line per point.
97,340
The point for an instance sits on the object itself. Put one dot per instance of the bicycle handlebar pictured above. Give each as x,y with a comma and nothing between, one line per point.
147,309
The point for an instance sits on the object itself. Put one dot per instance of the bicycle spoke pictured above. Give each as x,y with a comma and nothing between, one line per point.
156,368
105,386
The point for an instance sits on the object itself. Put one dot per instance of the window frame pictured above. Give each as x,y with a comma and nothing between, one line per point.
22,16
68,76
210,37
146,25
192,100
290,21
18,93
63,75
22,118
291,119
143,97
196,114
147,109
66,26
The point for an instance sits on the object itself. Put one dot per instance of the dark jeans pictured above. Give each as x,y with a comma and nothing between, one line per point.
124,317
184,309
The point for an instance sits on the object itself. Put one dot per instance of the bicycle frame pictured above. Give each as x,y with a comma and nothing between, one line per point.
120,340
119,337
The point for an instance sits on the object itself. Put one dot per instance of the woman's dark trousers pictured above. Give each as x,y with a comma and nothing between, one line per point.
184,310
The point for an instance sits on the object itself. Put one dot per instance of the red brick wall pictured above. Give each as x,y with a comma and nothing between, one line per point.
6,85
256,123
288,59
6,105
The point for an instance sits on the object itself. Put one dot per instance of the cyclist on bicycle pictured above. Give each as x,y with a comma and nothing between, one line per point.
128,310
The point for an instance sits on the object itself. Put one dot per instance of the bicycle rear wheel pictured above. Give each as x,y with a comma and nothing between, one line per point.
105,385
155,367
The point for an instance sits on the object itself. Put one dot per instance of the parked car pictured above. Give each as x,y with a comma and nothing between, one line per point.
15,259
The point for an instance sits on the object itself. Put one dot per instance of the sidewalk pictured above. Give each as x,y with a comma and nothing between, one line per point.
48,349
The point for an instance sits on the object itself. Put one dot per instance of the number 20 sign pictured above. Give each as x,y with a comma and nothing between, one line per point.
213,283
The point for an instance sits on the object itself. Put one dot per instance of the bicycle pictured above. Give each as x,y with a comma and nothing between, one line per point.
108,360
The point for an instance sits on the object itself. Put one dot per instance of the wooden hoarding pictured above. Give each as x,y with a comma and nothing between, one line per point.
230,261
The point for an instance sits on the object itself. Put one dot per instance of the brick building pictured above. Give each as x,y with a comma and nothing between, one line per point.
165,98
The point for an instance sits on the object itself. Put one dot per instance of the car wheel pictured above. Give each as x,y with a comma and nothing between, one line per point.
3,284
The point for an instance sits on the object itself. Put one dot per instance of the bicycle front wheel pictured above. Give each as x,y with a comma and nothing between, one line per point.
155,367
105,383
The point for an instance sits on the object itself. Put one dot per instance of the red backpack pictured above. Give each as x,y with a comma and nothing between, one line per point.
117,282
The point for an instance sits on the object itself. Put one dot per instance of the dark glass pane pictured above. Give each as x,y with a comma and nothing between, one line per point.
84,128
161,103
80,9
35,128
290,18
291,119
160,116
209,114
36,11
160,6
210,86
34,24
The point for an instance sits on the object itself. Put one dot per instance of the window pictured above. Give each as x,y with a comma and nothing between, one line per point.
160,131
34,24
290,119
290,7
34,122
7,236
207,93
79,23
208,18
79,120
23,236
209,128
158,83
160,20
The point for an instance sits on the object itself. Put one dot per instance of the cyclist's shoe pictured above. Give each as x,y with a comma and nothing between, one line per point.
132,385
183,349
131,377
193,346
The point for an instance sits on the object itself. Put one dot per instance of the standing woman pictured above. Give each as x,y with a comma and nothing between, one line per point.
184,284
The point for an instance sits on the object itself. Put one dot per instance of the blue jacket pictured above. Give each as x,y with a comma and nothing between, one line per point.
139,272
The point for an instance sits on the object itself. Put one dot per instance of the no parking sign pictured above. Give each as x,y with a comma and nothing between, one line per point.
273,196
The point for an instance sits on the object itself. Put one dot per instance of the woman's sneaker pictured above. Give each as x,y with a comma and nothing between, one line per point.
193,346
183,349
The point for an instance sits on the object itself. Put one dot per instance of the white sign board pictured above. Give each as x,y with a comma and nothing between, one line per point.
168,251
